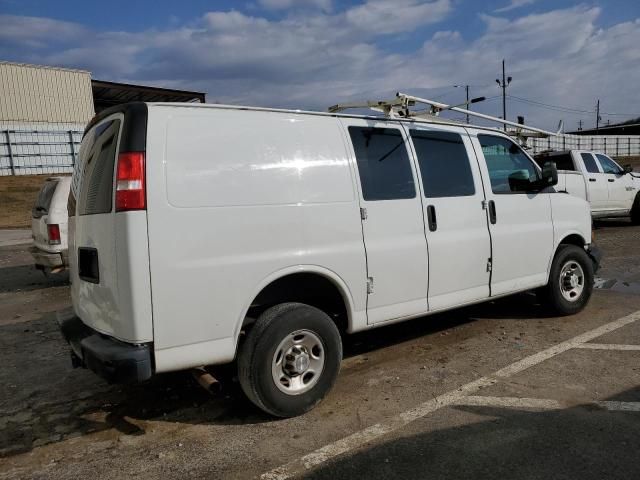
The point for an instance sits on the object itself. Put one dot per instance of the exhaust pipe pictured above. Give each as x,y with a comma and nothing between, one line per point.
206,380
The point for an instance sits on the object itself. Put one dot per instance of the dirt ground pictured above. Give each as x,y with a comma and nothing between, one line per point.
633,161
61,423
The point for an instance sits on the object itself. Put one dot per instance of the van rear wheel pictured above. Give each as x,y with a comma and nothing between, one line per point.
570,281
290,359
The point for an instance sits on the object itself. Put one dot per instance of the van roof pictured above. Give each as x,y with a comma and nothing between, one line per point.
138,110
434,121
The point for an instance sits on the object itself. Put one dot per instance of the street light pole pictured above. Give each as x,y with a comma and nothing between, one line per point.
505,82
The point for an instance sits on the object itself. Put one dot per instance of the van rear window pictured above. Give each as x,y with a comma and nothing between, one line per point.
95,169
43,202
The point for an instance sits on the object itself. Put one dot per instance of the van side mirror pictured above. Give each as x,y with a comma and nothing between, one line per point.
627,169
549,175
519,181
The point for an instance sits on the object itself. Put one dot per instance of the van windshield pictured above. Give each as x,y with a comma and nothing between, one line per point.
43,202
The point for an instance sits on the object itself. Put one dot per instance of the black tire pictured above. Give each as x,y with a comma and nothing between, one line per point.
635,211
258,350
551,295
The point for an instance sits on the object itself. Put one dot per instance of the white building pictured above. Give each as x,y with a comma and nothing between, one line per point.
43,111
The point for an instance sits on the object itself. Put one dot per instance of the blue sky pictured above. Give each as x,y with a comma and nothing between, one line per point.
314,53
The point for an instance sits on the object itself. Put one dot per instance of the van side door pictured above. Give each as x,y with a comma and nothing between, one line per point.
520,221
392,221
596,183
457,225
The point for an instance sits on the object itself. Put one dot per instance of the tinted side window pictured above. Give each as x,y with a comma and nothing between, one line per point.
509,167
383,163
97,163
563,162
608,166
444,164
589,163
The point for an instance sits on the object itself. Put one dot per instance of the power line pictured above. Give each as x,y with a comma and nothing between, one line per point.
564,109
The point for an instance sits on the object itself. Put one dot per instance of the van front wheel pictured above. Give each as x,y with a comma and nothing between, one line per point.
290,359
570,281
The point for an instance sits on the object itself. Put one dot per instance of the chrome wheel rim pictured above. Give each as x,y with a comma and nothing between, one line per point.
571,281
298,362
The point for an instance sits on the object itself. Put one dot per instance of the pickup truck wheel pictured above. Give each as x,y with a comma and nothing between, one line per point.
290,359
570,281
635,211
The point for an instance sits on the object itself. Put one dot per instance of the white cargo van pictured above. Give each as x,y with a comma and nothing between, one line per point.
204,234
611,190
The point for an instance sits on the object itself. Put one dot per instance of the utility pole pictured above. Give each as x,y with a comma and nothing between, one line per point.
466,87
598,115
468,104
504,84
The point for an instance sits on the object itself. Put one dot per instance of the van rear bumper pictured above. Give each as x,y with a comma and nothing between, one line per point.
113,360
49,259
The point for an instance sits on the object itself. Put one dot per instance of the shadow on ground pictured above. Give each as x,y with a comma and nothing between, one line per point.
23,278
612,222
575,443
47,401
516,307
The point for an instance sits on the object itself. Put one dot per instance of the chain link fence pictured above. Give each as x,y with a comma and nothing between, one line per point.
32,149
613,145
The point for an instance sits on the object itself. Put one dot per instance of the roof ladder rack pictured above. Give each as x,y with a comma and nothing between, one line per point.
399,108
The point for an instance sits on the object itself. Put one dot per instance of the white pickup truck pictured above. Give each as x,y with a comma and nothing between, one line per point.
611,190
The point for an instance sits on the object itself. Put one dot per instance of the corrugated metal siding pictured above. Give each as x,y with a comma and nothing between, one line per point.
31,93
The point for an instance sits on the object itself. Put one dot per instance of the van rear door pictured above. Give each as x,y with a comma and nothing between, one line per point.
108,247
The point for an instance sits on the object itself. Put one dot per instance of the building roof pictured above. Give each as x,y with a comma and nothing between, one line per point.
108,94
618,129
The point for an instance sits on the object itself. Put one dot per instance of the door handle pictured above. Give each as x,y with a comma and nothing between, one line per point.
431,218
592,179
492,212
611,179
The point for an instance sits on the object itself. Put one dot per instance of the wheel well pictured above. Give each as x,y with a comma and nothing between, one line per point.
309,288
573,239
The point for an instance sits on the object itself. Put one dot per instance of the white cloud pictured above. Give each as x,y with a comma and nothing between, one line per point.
386,17
37,32
318,59
514,4
288,4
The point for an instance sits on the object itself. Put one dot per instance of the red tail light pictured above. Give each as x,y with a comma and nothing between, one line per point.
53,230
130,182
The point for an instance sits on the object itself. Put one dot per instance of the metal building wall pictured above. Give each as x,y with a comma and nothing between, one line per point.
43,111
32,93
